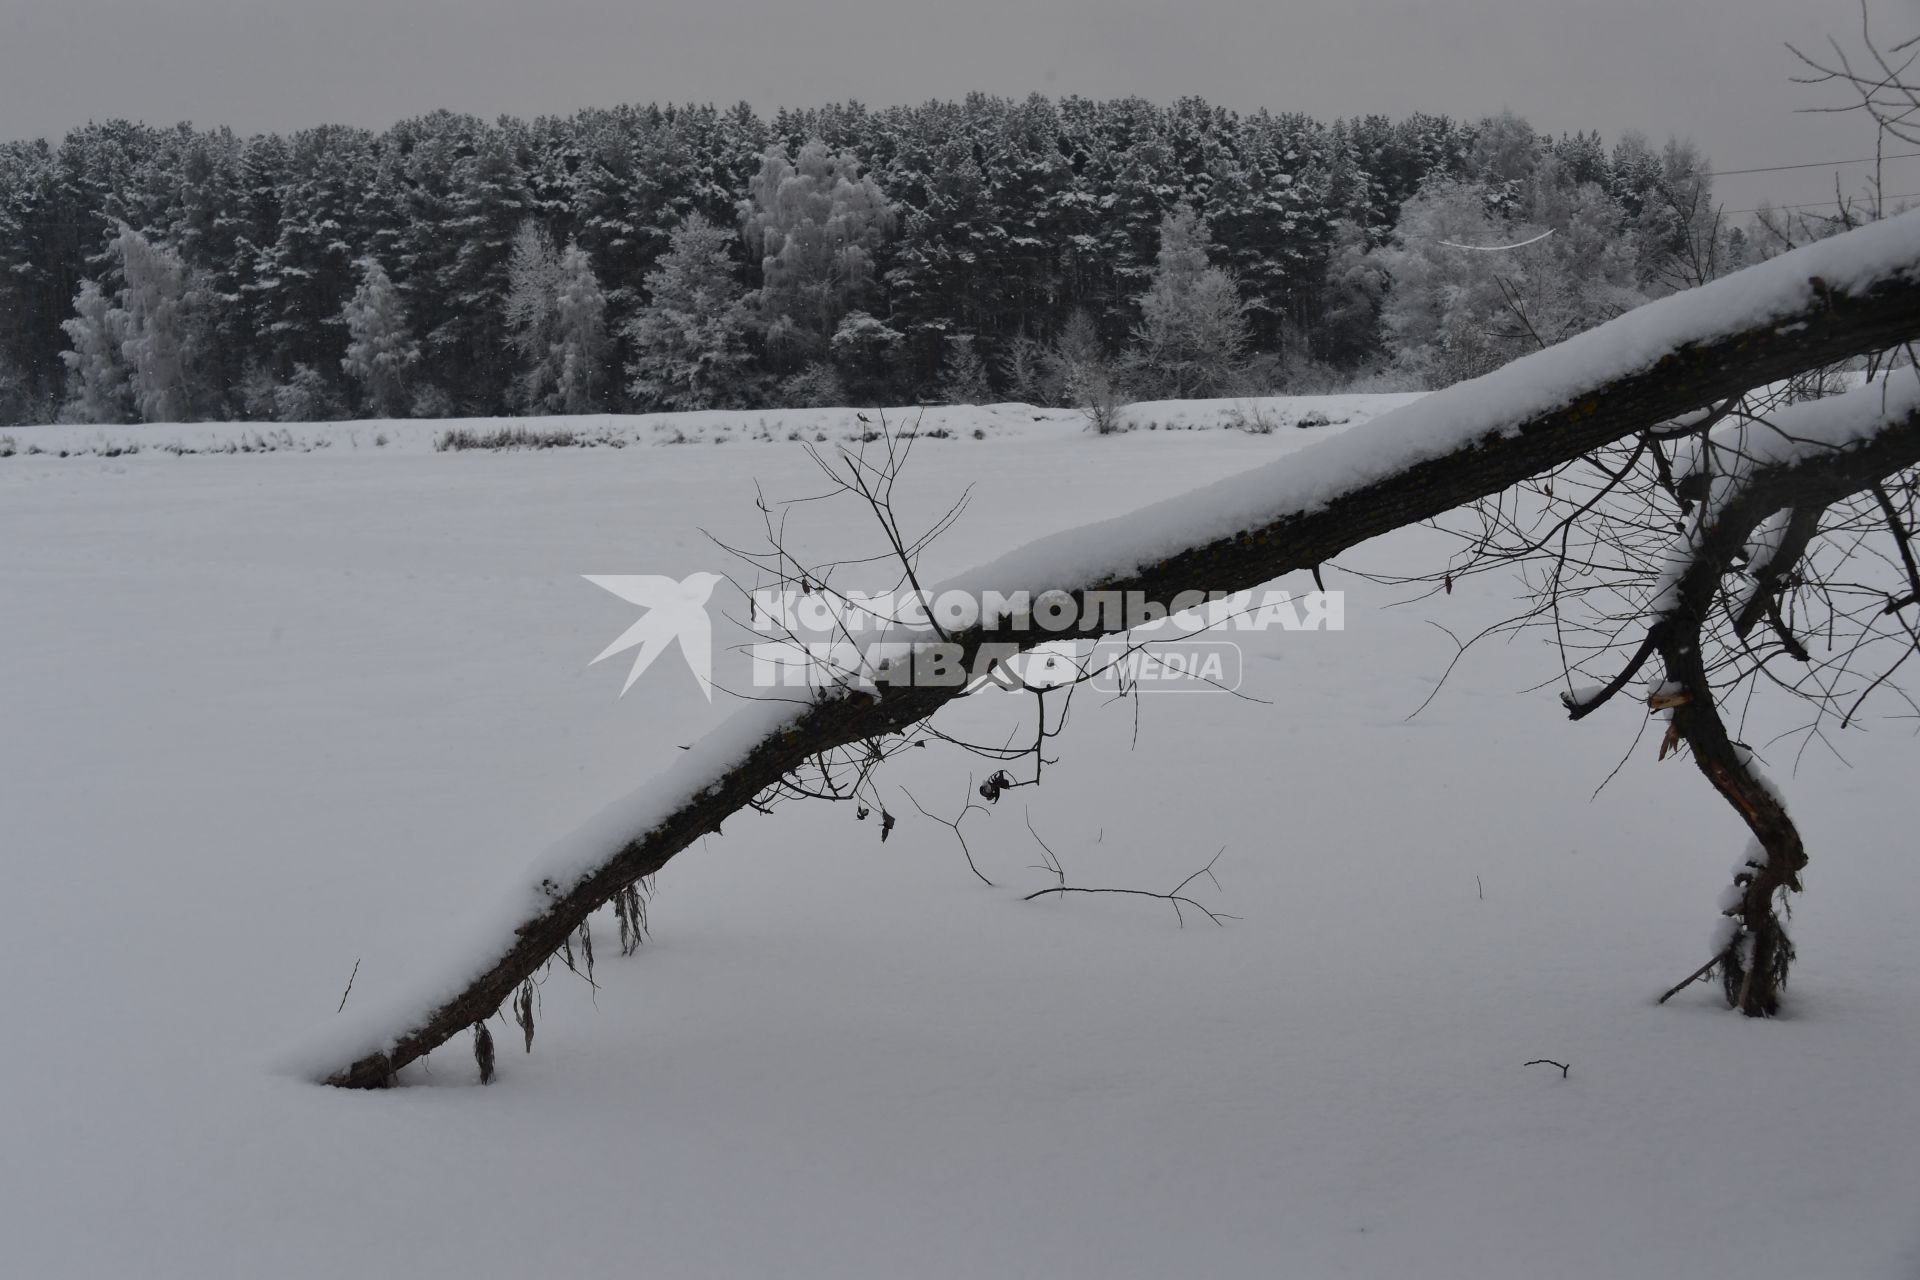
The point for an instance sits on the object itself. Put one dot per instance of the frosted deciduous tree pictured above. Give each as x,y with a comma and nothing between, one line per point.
1679,230
578,356
1505,151
533,285
1026,370
163,334
381,351
818,386
814,224
306,396
557,315
689,340
1471,288
99,388
1585,273
866,351
1192,336
137,356
963,380
1444,317
1080,373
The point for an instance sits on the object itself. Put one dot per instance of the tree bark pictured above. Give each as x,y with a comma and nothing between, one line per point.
1756,961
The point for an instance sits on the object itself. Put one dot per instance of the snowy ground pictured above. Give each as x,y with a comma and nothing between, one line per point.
269,716
1254,415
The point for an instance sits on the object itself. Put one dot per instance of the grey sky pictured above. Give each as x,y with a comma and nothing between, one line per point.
1714,69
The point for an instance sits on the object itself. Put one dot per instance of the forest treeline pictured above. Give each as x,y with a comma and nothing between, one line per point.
1063,252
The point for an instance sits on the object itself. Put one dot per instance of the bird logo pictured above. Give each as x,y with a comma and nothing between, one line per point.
674,611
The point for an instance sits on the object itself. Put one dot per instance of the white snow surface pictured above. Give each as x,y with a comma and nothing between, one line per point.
939,425
270,717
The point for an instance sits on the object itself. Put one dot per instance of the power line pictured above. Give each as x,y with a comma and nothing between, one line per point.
1817,164
1498,248
1814,204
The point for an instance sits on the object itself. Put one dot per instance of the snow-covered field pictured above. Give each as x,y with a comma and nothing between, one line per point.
269,717
1254,415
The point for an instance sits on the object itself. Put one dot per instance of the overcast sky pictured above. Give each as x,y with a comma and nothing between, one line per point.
1713,69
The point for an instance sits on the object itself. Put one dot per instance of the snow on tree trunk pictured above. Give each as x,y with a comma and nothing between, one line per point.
1805,458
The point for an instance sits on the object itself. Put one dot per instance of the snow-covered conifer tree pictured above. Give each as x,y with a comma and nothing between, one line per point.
689,341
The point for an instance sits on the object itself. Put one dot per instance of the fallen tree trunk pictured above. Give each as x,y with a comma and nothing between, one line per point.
1851,294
